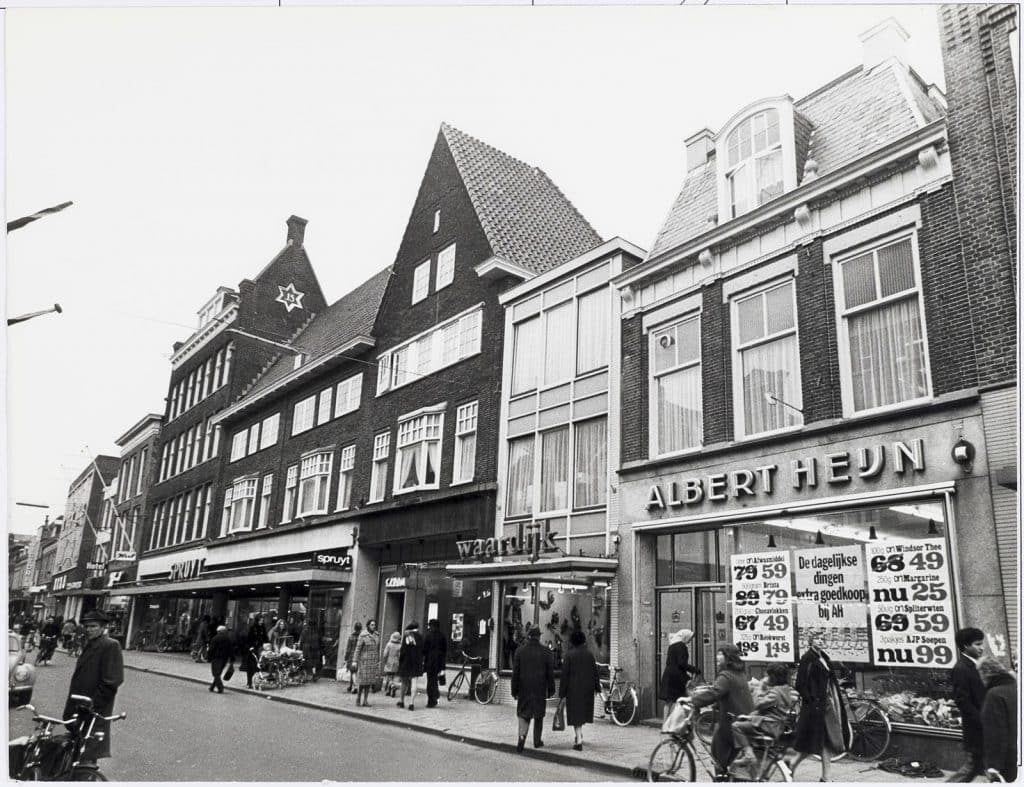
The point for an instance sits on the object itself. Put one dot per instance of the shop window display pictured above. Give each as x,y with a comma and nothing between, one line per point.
886,611
558,609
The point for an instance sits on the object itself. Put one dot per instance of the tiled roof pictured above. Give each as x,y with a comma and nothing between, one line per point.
850,117
350,316
527,219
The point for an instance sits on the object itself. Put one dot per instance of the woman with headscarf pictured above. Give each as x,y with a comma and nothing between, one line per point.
677,669
822,719
999,720
731,692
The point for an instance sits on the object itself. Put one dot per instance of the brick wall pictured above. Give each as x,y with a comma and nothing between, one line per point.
716,366
635,391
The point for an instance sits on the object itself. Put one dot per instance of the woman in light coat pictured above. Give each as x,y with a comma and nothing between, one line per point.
367,659
390,661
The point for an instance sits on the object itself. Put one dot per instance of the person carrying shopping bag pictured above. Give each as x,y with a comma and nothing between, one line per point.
435,652
350,648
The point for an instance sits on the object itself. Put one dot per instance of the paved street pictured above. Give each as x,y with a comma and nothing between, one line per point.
178,731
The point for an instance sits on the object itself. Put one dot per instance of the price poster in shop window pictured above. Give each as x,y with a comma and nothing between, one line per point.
911,604
830,597
762,617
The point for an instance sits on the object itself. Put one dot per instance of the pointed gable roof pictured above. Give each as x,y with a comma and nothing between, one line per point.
527,219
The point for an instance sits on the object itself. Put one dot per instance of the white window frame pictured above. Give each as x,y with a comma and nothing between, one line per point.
652,377
437,220
379,472
416,434
266,490
466,417
143,456
445,267
347,395
738,348
323,406
421,281
315,467
243,498
346,469
269,430
304,415
225,512
207,508
291,491
842,314
239,445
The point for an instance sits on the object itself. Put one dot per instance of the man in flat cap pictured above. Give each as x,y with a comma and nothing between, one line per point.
98,672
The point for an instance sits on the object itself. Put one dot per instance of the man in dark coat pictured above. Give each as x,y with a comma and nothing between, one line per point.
410,663
98,672
533,681
580,681
968,694
999,720
435,652
221,652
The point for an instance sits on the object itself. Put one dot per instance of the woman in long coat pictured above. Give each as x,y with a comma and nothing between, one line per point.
580,681
254,639
309,644
999,720
410,663
350,648
677,669
822,719
533,681
367,658
731,692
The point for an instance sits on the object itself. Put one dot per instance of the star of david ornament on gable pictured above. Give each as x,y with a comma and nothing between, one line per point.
290,297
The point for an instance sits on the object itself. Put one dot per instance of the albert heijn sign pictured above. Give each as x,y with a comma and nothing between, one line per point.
335,559
532,538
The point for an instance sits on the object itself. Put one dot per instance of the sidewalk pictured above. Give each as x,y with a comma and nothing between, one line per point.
621,753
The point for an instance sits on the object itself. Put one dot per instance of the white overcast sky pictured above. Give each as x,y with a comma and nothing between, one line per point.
186,137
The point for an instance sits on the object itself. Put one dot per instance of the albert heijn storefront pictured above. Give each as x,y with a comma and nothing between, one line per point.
296,575
881,537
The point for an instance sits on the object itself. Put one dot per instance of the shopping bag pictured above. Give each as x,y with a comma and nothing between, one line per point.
344,675
441,679
230,672
558,722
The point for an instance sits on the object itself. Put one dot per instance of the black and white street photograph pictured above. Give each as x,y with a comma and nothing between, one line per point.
512,393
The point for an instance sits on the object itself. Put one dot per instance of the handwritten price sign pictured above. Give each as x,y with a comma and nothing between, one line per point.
762,617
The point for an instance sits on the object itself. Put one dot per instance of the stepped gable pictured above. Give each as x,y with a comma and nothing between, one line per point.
851,116
350,316
527,219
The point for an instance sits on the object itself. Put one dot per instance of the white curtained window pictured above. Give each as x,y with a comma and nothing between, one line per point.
591,465
676,368
554,470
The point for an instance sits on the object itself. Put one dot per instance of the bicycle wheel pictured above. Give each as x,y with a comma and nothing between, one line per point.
776,771
87,775
704,724
456,686
671,761
871,731
485,687
624,707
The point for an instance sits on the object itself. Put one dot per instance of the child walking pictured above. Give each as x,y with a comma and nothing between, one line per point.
390,662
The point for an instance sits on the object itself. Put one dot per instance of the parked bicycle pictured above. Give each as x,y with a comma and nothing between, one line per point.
174,642
200,652
482,688
619,697
142,640
45,756
869,728
675,758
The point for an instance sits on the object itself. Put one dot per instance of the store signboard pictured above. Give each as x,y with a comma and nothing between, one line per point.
532,538
186,569
911,603
337,559
831,598
762,610
394,583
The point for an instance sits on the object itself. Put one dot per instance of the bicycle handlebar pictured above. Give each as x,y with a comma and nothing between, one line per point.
609,666
470,659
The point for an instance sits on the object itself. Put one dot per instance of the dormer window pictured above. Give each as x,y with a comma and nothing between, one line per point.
757,157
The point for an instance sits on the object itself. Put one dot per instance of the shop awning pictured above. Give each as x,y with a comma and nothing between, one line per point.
237,580
559,568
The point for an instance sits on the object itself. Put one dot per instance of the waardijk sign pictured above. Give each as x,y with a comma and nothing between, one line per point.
532,538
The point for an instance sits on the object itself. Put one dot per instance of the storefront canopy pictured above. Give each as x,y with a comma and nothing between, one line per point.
250,578
560,568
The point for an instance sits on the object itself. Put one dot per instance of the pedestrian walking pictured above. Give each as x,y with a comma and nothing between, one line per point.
221,652
822,719
67,632
435,654
390,662
367,659
310,645
677,669
731,692
533,681
350,648
410,663
255,637
580,681
999,720
99,671
969,694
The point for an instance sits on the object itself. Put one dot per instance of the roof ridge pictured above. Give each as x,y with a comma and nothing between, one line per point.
829,85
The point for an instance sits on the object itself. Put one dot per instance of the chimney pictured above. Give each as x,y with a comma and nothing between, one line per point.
699,148
296,230
885,40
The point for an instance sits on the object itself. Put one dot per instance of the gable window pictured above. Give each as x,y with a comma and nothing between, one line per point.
378,476
445,267
882,348
421,281
265,491
754,162
465,443
346,467
314,483
291,483
419,452
302,415
346,396
676,387
520,476
766,368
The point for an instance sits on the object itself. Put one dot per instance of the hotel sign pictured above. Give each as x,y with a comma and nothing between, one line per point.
532,538
802,474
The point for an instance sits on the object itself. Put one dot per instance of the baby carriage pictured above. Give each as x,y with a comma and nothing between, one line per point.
278,668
